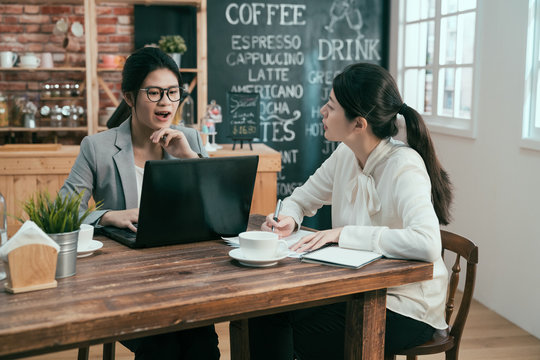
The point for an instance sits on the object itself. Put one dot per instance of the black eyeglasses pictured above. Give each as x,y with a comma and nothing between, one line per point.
155,93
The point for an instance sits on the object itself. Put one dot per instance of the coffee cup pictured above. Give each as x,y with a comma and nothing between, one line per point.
47,60
7,59
261,245
86,232
30,60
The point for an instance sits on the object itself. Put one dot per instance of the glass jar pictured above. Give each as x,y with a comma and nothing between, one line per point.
75,89
55,90
56,116
66,90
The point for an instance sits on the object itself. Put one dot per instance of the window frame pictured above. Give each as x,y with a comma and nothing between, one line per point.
530,134
450,125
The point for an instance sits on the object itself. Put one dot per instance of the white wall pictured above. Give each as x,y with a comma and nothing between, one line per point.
497,183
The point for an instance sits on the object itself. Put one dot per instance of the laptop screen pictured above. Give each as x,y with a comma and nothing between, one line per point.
194,200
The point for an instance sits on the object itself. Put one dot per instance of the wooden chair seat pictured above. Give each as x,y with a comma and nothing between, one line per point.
442,341
448,341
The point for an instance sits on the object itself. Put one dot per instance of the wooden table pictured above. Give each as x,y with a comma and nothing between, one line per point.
119,293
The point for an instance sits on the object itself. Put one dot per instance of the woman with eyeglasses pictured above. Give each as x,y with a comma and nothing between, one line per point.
110,168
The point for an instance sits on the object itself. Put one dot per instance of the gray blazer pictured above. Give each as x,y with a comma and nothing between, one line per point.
105,169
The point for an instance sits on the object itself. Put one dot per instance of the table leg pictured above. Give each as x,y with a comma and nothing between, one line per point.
109,351
365,325
83,353
239,339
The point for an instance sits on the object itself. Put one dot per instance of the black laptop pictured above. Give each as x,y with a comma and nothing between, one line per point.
191,200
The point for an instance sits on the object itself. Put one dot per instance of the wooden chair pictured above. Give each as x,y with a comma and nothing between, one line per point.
448,341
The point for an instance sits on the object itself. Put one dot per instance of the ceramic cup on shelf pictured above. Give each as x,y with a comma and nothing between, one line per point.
108,61
47,61
261,245
29,60
7,59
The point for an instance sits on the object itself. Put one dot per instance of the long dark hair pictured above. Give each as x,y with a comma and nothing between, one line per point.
369,91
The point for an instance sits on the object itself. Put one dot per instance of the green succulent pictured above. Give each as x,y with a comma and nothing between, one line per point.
172,44
57,215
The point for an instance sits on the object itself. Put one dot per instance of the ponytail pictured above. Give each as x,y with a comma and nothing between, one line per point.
419,139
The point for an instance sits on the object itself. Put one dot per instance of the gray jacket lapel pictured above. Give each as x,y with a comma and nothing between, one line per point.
125,163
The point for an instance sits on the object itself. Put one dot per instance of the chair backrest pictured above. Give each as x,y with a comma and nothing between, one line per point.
466,249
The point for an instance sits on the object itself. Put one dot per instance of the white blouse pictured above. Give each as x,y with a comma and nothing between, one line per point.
139,175
385,207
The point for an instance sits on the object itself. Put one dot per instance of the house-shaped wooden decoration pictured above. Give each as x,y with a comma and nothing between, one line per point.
29,258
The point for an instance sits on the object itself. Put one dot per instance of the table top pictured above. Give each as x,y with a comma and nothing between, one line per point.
121,293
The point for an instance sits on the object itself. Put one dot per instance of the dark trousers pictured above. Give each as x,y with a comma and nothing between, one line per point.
199,343
319,333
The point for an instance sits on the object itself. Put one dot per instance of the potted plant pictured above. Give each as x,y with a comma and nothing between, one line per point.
174,45
59,218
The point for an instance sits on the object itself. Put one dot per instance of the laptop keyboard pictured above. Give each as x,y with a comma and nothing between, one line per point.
123,232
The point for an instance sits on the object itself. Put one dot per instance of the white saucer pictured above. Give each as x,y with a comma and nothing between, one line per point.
27,66
239,256
93,246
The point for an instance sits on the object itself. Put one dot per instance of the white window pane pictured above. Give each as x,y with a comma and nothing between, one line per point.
537,107
427,9
449,6
466,5
423,45
428,93
418,90
412,10
448,40
430,50
446,92
410,92
465,41
411,44
465,92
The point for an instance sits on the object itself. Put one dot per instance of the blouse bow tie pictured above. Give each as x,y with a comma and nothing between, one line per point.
363,186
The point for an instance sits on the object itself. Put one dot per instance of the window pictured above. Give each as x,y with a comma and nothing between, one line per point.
436,62
531,111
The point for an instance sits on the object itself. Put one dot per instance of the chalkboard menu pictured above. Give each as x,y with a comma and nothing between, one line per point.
243,115
289,53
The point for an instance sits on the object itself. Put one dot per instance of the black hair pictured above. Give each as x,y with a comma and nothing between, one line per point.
369,91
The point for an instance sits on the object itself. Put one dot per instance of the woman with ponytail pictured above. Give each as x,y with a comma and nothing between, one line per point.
387,197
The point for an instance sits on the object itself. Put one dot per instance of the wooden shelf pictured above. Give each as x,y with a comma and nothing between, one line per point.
44,129
17,69
195,3
184,70
56,98
94,74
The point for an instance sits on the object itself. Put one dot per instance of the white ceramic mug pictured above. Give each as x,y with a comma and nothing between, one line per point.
86,233
261,245
30,60
47,60
7,59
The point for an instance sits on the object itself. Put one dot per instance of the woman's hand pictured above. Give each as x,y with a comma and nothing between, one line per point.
317,240
121,218
174,142
283,227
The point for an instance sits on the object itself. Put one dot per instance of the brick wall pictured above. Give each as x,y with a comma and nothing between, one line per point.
29,28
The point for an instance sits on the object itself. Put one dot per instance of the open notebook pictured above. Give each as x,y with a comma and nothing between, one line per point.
337,256
191,200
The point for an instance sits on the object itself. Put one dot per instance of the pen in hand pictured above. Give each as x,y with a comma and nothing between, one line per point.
276,212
